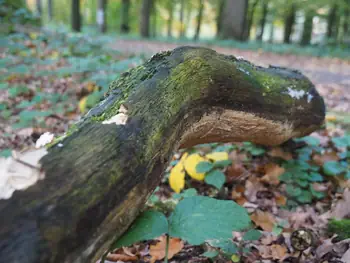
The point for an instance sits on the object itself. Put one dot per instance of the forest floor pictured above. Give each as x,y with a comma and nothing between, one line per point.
48,80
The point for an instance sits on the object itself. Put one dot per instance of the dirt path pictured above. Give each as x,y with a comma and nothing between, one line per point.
330,75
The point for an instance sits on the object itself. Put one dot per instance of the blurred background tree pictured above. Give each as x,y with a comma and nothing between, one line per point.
304,22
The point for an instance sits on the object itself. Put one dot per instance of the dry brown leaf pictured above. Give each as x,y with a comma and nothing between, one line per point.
281,200
342,207
120,257
158,251
252,187
328,156
274,251
263,219
234,171
280,153
272,173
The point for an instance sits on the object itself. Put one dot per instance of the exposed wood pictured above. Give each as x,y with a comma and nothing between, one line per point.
97,178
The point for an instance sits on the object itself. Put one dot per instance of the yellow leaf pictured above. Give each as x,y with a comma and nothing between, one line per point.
235,258
331,118
82,104
217,156
33,35
190,165
177,177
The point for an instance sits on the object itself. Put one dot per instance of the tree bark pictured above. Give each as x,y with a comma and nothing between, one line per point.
250,19
307,28
170,6
332,21
182,15
199,19
125,10
234,19
50,9
146,9
289,23
220,10
75,14
96,179
101,16
265,6
39,9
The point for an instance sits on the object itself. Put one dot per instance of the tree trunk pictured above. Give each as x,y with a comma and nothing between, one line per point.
170,6
289,23
146,9
188,17
39,9
272,32
346,23
124,26
250,19
220,10
50,9
182,15
101,17
88,187
307,28
154,20
199,19
265,6
234,19
332,21
76,22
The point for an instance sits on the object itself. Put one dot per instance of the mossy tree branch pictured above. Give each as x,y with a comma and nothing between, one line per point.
98,177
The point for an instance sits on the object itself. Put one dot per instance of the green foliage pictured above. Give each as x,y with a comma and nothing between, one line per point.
204,167
215,178
334,168
211,254
195,219
253,149
252,235
340,227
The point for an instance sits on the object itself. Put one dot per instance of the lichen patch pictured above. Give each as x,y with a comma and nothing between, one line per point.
20,171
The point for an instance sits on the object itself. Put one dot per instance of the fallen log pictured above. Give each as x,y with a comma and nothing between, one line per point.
89,186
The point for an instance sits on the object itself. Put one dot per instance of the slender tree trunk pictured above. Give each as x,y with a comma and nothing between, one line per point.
272,31
332,21
124,26
50,9
199,19
154,19
220,10
170,6
307,28
76,23
146,9
234,19
265,6
39,9
250,18
289,23
188,16
101,16
182,15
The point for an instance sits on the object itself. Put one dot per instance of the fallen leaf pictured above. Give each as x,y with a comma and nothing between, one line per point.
327,156
263,219
158,251
342,207
274,251
280,153
190,166
177,177
82,104
272,174
120,257
281,200
217,156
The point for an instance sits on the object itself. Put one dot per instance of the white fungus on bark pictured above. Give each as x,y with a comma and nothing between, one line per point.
120,119
20,171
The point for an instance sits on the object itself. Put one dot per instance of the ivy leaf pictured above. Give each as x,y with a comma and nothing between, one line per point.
204,167
194,217
215,178
148,225
252,235
333,168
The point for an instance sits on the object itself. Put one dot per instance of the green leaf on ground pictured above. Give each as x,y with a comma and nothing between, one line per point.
204,167
252,235
194,217
333,168
215,178
148,225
